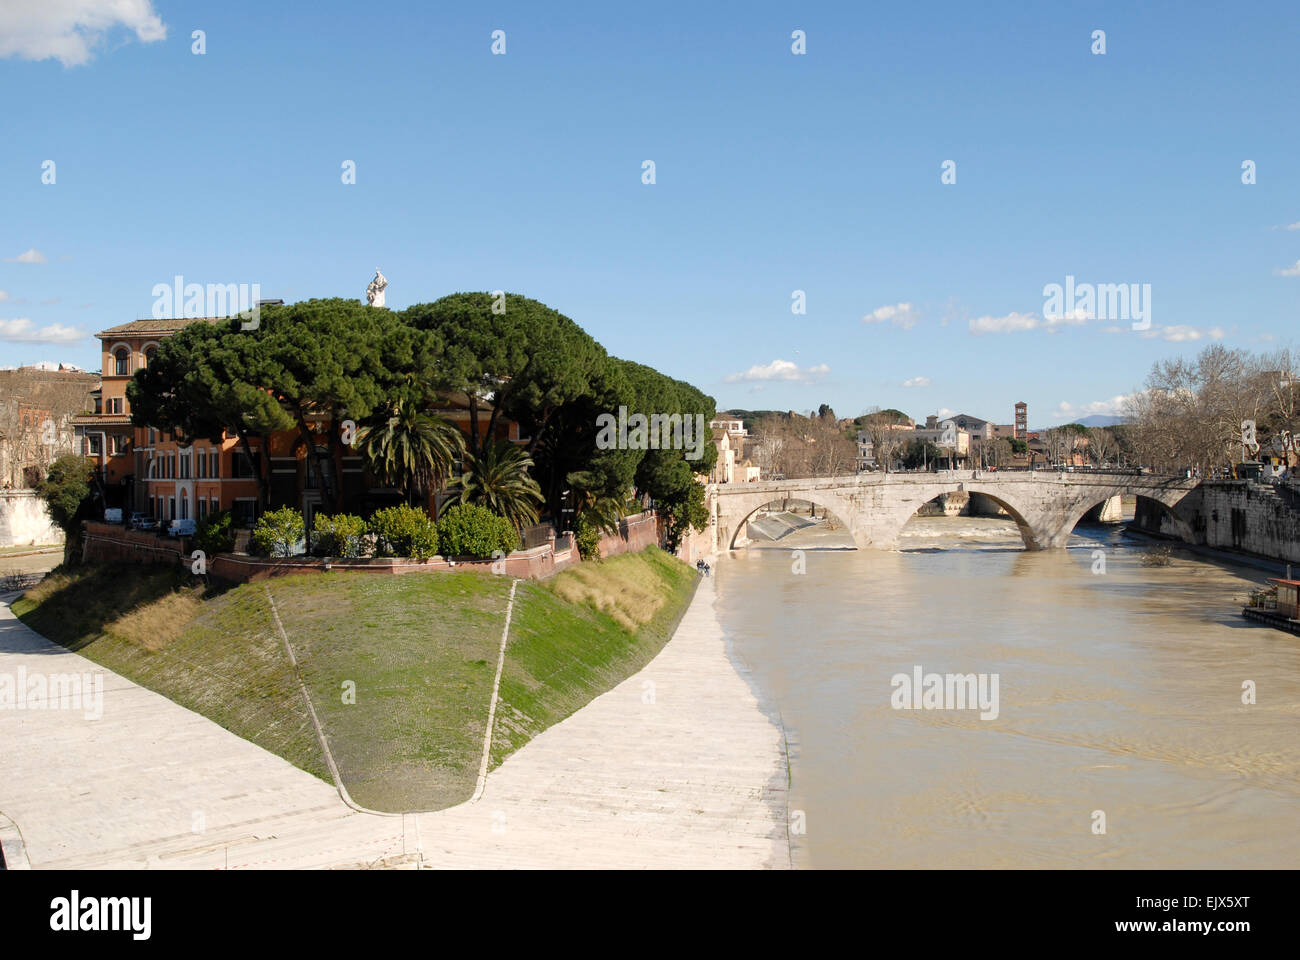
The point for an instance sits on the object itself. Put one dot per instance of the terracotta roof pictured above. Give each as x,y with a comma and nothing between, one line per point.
155,326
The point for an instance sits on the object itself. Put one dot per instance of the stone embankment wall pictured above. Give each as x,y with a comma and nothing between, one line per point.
25,521
1239,515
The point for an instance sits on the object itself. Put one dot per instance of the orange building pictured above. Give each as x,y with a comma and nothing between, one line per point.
147,470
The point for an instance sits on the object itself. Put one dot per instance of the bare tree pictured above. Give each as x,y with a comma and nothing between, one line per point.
36,407
806,446
1191,412
880,427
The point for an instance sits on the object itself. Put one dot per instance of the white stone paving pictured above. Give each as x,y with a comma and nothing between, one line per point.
695,779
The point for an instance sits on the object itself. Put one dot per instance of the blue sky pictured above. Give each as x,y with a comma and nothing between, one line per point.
774,172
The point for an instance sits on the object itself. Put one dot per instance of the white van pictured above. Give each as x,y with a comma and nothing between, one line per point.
181,528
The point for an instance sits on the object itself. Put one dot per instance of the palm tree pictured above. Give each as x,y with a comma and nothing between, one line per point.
498,479
599,509
411,450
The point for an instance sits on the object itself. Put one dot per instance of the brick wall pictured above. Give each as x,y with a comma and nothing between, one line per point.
635,533
108,543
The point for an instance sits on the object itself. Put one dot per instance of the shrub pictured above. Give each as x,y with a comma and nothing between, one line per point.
473,531
215,533
277,533
338,536
586,537
405,532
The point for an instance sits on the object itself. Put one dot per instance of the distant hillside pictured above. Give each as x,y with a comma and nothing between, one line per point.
1096,420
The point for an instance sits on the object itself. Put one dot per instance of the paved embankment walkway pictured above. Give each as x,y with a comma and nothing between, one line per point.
693,776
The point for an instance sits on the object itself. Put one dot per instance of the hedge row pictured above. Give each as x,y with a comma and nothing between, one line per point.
464,531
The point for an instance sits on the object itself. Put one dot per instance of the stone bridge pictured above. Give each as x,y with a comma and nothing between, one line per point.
875,506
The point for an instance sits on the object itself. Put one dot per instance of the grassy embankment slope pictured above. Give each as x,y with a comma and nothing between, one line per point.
419,650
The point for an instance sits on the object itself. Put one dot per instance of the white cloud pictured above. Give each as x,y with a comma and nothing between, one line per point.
1071,319
70,30
900,315
1289,226
944,412
23,330
917,382
1180,333
31,256
1292,271
1114,407
1011,323
779,370
1016,322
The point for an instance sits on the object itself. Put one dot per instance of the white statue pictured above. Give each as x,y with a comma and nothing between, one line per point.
375,290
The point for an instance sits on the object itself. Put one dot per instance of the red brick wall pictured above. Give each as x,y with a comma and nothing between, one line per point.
108,543
635,533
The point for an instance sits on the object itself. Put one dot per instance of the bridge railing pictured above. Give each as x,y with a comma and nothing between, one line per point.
1053,468
985,473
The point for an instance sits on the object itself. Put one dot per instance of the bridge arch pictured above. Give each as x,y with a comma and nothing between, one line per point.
891,529
1165,501
831,504
874,507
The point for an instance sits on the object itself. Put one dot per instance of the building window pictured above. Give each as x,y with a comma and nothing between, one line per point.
122,361
310,479
151,436
149,354
244,467
244,512
185,466
201,464
202,506
171,508
214,465
120,445
115,405
185,505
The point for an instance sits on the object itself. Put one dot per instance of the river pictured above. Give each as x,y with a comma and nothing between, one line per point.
1119,689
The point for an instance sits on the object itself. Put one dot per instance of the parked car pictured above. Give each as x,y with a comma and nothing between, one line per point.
181,528
112,514
147,523
134,520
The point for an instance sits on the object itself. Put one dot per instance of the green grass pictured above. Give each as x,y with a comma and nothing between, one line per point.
217,655
564,654
422,652
419,650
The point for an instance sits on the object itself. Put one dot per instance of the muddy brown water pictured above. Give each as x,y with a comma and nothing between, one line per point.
1120,692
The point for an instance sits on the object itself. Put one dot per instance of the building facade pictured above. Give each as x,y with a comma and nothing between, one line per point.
156,473
37,407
